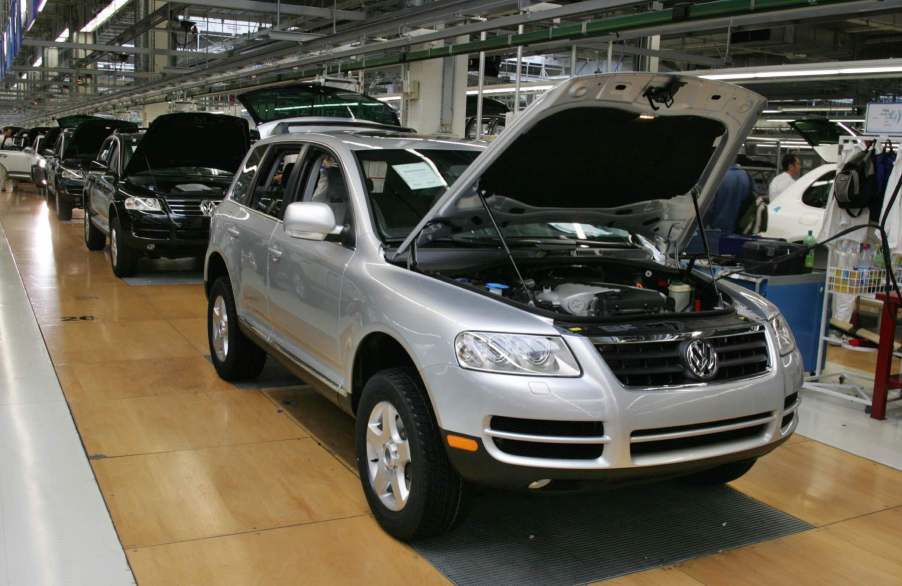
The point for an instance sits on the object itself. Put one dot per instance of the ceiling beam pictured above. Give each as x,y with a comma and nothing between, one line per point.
82,71
282,8
100,48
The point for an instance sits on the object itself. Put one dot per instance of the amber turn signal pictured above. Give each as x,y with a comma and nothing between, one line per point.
462,443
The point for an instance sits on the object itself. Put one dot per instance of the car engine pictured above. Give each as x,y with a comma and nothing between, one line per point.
596,290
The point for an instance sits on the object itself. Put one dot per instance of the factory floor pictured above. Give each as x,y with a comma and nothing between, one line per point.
171,476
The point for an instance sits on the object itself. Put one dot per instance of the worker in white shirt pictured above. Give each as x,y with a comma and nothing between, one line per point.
792,168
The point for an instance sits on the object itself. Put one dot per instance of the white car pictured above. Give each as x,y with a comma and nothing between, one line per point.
801,207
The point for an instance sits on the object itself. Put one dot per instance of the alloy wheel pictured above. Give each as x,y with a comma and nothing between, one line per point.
388,456
219,327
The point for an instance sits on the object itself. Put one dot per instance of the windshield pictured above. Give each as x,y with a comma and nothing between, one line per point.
271,104
403,184
181,179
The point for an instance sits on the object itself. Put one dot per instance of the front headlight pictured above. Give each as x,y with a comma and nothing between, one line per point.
786,342
143,204
42,163
515,354
72,174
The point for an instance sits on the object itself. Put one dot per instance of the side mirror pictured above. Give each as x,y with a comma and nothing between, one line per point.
47,152
29,150
310,220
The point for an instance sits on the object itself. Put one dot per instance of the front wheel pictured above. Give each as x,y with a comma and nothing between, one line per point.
63,208
94,238
408,481
123,259
233,354
722,474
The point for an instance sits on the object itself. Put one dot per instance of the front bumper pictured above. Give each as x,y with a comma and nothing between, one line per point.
71,192
165,234
640,434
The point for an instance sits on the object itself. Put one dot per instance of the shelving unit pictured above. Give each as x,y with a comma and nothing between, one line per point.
842,384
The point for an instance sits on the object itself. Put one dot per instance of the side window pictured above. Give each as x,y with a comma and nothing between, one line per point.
274,179
104,155
113,160
325,182
816,195
241,189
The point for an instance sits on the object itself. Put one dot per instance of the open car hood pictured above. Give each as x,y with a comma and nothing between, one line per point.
619,151
88,137
315,100
822,135
191,139
74,120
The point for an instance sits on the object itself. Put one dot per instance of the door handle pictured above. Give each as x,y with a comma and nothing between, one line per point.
233,232
276,254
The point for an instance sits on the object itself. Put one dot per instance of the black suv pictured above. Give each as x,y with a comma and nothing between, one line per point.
77,152
146,192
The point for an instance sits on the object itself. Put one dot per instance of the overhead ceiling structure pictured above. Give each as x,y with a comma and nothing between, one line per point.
125,53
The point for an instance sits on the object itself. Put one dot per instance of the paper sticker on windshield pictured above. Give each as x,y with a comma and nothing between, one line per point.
419,176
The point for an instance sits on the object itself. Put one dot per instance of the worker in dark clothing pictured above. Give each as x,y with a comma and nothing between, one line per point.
729,201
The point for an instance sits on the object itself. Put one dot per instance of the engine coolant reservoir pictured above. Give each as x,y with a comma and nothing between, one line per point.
681,293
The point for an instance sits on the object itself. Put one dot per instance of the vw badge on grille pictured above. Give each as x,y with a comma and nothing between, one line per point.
207,207
701,359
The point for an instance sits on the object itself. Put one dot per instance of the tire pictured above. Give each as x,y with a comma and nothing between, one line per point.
123,259
63,209
397,436
94,238
722,474
233,354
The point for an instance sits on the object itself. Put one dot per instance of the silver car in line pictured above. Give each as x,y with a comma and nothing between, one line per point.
520,314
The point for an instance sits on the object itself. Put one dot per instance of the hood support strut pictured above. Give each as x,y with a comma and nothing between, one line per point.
704,236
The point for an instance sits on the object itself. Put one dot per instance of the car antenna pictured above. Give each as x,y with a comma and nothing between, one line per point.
507,250
704,236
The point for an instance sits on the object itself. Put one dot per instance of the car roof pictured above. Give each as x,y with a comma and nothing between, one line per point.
361,140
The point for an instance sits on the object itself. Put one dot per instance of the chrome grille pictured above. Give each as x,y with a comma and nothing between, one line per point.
186,207
657,363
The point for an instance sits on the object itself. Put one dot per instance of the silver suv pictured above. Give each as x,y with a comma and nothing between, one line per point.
520,314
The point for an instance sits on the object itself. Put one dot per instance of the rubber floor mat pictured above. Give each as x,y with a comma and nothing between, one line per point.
513,538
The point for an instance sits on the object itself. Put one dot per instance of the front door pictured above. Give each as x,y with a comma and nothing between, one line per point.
305,276
100,186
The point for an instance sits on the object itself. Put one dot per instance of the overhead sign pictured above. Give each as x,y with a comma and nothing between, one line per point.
883,119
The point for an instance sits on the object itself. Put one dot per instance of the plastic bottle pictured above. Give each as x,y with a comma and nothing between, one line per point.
866,258
811,242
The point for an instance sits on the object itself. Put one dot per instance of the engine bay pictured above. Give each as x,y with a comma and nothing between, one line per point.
596,290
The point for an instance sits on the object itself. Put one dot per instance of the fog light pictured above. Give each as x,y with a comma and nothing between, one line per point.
151,246
537,484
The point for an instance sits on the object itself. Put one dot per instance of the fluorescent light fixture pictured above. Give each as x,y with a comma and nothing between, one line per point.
63,36
104,15
837,120
864,68
803,73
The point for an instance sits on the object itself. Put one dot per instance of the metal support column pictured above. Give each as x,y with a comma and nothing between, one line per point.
480,89
519,70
